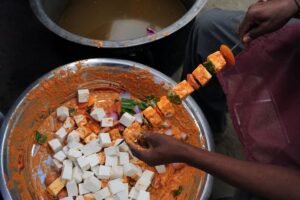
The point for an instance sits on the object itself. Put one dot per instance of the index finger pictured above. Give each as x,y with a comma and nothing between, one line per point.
138,151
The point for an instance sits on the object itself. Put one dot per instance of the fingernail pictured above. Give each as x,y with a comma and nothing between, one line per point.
246,39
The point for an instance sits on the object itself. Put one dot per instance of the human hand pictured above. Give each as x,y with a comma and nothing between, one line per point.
266,16
159,149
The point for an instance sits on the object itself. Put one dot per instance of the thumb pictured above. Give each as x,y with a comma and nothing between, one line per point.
256,32
137,150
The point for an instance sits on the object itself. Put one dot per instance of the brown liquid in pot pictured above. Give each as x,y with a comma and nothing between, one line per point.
119,19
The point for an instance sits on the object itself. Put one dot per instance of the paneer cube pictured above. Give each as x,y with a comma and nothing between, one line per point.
183,89
166,107
107,122
133,193
57,165
60,156
92,184
75,145
72,188
104,139
123,195
98,114
161,169
139,118
73,136
104,172
83,132
116,186
56,186
77,174
73,154
65,149
91,148
82,189
80,120
202,75
122,147
67,170
69,124
127,119
111,160
87,174
130,169
102,194
67,198
83,163
124,158
112,151
61,134
93,159
218,60
90,138
62,113
115,134
152,116
55,145
80,198
143,195
116,172
83,95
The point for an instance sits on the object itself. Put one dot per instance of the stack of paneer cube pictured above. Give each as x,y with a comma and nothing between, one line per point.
93,165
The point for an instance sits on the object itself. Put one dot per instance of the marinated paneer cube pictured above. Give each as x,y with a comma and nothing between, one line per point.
83,132
56,186
166,107
80,120
90,138
115,134
132,132
183,89
218,60
62,113
202,75
152,116
83,95
69,124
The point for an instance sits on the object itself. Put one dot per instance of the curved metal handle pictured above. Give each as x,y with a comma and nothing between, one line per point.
1,118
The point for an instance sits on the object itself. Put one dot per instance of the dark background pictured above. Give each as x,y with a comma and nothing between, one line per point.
28,50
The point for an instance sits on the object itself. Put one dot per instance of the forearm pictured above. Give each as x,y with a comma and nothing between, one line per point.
269,181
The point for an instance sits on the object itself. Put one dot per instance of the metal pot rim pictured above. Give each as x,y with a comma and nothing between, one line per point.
4,131
44,19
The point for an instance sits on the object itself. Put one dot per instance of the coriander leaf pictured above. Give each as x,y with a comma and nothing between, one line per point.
178,191
40,138
151,100
174,98
72,111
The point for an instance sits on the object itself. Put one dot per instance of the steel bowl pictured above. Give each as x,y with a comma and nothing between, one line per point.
24,105
48,11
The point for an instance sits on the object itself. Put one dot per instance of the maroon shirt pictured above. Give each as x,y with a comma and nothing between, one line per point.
263,95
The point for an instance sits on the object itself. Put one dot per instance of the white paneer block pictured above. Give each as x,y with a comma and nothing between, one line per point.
130,169
77,174
111,160
102,194
111,151
122,147
142,184
95,169
104,139
60,156
75,145
161,169
73,136
143,195
124,158
133,194
83,163
69,123
83,95
67,170
87,174
73,154
123,195
104,172
65,149
55,145
98,114
82,189
91,148
127,119
92,184
116,186
79,197
139,118
62,113
116,172
72,188
94,160
107,122
56,164
61,134
147,174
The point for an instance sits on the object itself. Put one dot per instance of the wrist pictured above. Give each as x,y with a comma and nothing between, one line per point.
187,153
